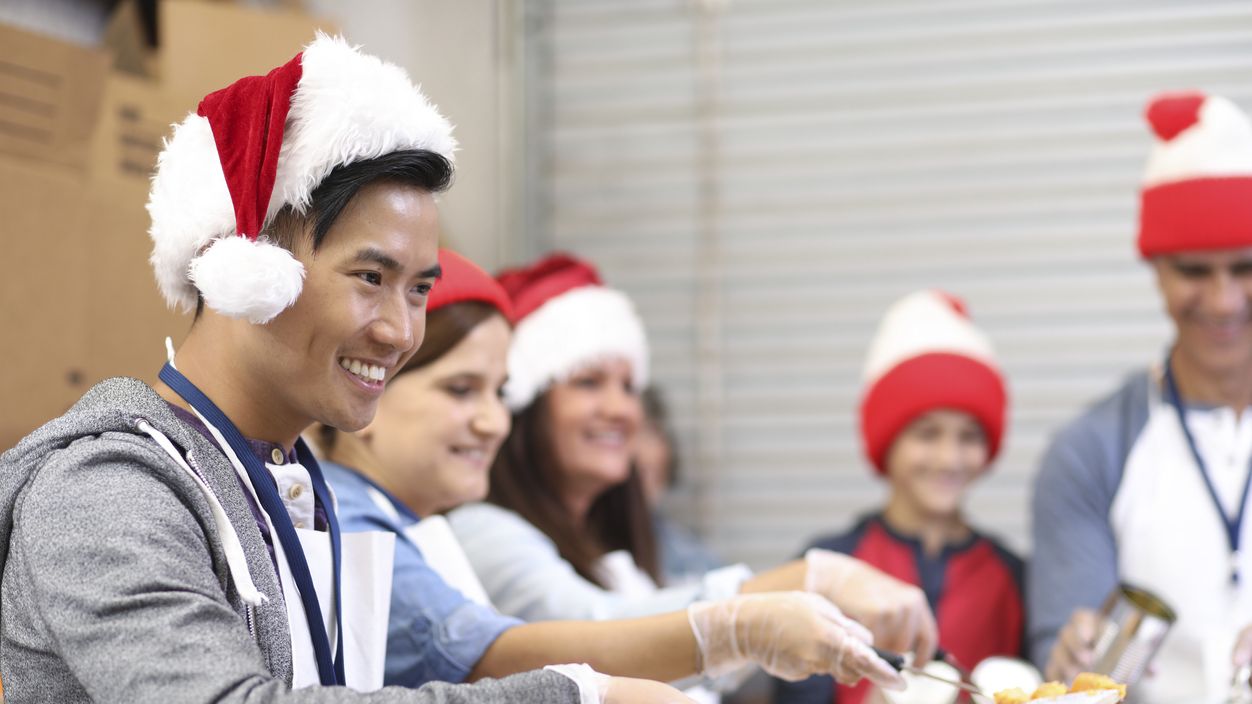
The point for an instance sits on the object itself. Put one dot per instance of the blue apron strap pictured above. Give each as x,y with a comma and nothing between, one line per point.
330,668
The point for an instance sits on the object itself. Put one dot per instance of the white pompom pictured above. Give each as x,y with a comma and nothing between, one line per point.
246,279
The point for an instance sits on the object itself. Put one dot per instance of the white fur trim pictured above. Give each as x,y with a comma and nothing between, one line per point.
348,106
570,332
1218,144
248,279
921,323
189,204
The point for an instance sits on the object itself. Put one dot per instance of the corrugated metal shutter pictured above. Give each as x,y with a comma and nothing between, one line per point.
765,177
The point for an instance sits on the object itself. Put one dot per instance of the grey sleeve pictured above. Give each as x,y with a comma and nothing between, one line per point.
1074,564
117,576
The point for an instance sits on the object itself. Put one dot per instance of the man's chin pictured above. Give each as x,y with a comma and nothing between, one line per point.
350,421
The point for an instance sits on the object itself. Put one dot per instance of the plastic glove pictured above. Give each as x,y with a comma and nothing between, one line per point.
599,688
792,635
894,611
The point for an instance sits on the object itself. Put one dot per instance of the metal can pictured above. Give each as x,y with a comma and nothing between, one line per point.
1135,622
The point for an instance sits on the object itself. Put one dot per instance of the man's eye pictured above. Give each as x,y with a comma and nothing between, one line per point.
372,278
423,289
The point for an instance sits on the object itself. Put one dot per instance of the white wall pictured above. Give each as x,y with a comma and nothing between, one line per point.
462,54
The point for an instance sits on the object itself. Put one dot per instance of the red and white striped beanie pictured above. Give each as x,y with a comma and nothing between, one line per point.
1197,189
927,355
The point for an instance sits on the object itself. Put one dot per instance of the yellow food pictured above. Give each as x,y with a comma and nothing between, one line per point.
1012,696
1085,682
1049,689
1089,681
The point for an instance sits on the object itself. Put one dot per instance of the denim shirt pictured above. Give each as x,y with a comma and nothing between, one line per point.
434,633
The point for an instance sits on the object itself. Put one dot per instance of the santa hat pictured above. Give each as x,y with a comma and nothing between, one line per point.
927,355
462,281
565,320
1197,192
263,143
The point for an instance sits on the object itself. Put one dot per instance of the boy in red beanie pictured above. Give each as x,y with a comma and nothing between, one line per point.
932,417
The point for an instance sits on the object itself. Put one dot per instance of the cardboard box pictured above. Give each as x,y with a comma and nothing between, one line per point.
46,294
206,46
126,328
49,96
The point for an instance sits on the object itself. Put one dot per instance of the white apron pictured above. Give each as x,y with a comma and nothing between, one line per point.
365,579
1171,541
439,547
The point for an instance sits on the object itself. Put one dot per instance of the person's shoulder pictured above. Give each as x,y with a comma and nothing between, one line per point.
481,514
1096,443
1122,410
844,541
1002,551
484,522
356,508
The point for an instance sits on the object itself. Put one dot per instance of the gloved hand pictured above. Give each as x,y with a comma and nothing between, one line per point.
894,611
792,635
1241,654
1074,650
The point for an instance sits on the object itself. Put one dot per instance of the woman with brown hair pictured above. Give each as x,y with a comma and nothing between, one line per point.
439,424
565,532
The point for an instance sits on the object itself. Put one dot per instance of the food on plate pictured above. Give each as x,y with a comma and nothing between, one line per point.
1089,682
1085,682
1012,696
1049,689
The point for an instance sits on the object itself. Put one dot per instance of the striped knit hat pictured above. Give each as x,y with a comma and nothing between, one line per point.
1197,190
927,355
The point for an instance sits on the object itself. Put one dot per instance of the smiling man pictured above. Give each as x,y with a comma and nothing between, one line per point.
180,543
1149,486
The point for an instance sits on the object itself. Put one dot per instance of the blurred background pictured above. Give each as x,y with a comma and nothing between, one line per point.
763,177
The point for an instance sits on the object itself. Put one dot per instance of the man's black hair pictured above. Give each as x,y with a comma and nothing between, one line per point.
419,168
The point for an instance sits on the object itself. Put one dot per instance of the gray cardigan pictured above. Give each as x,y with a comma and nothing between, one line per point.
114,584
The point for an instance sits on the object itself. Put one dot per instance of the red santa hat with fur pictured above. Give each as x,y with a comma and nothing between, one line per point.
265,143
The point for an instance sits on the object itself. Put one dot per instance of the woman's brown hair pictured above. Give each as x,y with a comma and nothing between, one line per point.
445,328
524,479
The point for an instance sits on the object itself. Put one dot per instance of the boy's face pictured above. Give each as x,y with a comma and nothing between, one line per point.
1209,297
935,458
360,315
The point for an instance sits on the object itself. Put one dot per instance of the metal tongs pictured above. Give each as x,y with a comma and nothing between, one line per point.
903,663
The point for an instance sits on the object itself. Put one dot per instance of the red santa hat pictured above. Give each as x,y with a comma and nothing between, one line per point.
565,320
263,143
927,355
1197,191
463,281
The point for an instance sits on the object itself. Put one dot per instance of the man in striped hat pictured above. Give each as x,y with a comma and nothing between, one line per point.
1148,487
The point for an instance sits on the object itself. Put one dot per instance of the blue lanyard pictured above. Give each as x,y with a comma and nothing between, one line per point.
330,671
1234,525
